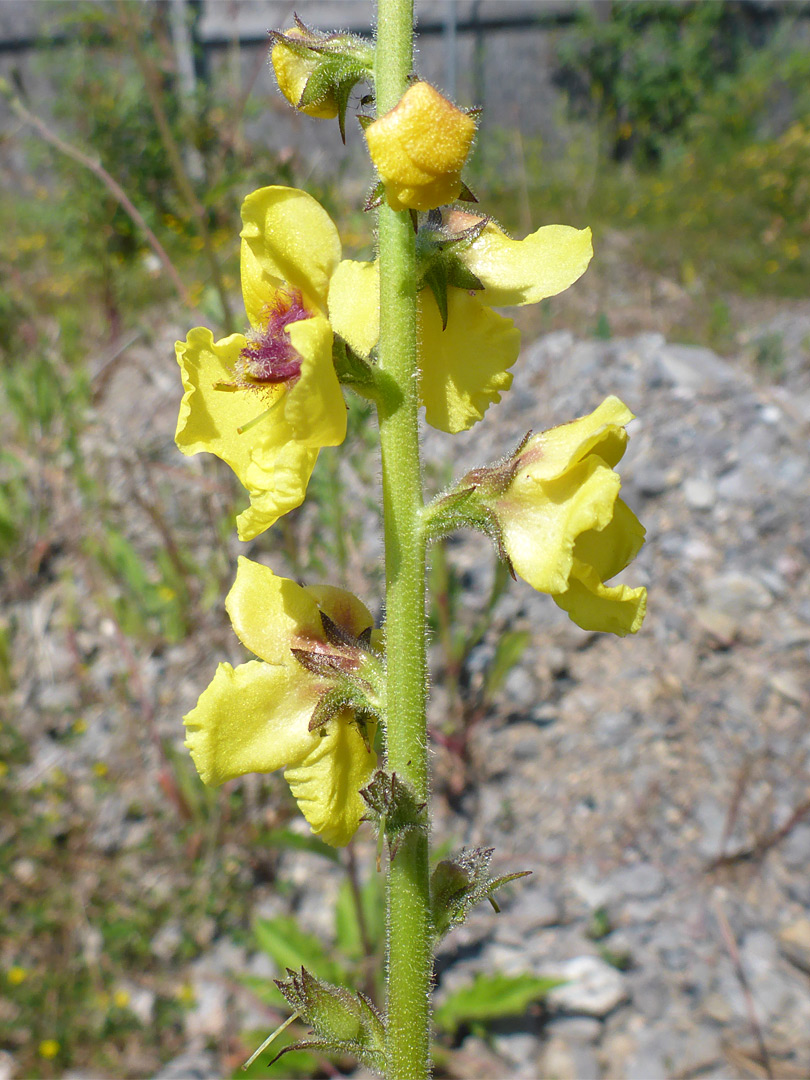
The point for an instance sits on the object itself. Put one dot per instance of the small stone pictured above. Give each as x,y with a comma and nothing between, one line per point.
786,684
209,1017
796,848
717,1008
719,625
8,1066
569,1061
474,1060
794,944
575,1029
167,941
699,494
192,1065
518,1048
737,595
141,1002
639,882
24,871
651,482
592,987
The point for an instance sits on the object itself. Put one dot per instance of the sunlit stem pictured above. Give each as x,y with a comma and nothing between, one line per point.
269,1039
409,950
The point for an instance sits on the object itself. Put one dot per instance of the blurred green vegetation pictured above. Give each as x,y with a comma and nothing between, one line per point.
689,132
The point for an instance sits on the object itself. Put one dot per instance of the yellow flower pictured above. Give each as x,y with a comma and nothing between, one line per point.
562,524
464,367
16,975
48,1049
267,401
268,715
419,149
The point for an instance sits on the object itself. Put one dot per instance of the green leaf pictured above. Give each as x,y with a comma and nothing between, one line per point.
347,927
509,650
291,947
490,997
293,841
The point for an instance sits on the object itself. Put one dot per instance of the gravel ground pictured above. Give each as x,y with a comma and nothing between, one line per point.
657,786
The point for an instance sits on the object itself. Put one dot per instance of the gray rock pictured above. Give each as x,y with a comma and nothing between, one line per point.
592,987
794,944
639,882
192,1065
737,595
574,1029
699,494
565,1060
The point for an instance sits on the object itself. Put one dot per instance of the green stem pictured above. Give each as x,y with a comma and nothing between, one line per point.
409,950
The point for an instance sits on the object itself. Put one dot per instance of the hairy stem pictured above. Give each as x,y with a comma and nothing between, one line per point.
409,951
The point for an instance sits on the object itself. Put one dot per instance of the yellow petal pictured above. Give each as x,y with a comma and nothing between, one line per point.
276,479
314,407
419,149
342,607
288,241
463,369
292,74
326,784
614,547
541,520
209,418
550,453
527,271
254,718
271,614
611,609
354,304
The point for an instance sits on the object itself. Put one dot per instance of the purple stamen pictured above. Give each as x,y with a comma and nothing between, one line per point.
270,357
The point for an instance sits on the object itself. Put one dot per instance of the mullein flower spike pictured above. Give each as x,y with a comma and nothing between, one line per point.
268,400
267,714
555,511
419,149
465,353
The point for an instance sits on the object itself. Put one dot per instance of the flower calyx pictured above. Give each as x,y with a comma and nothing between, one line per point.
393,808
440,241
316,71
459,883
341,1022
354,674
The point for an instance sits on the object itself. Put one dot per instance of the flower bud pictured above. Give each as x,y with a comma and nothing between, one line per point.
419,149
294,67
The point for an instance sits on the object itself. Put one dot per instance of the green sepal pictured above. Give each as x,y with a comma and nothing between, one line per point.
342,1022
458,884
435,278
375,196
461,276
394,808
353,370
465,195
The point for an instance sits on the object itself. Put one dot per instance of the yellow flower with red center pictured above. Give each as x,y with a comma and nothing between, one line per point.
269,714
268,400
